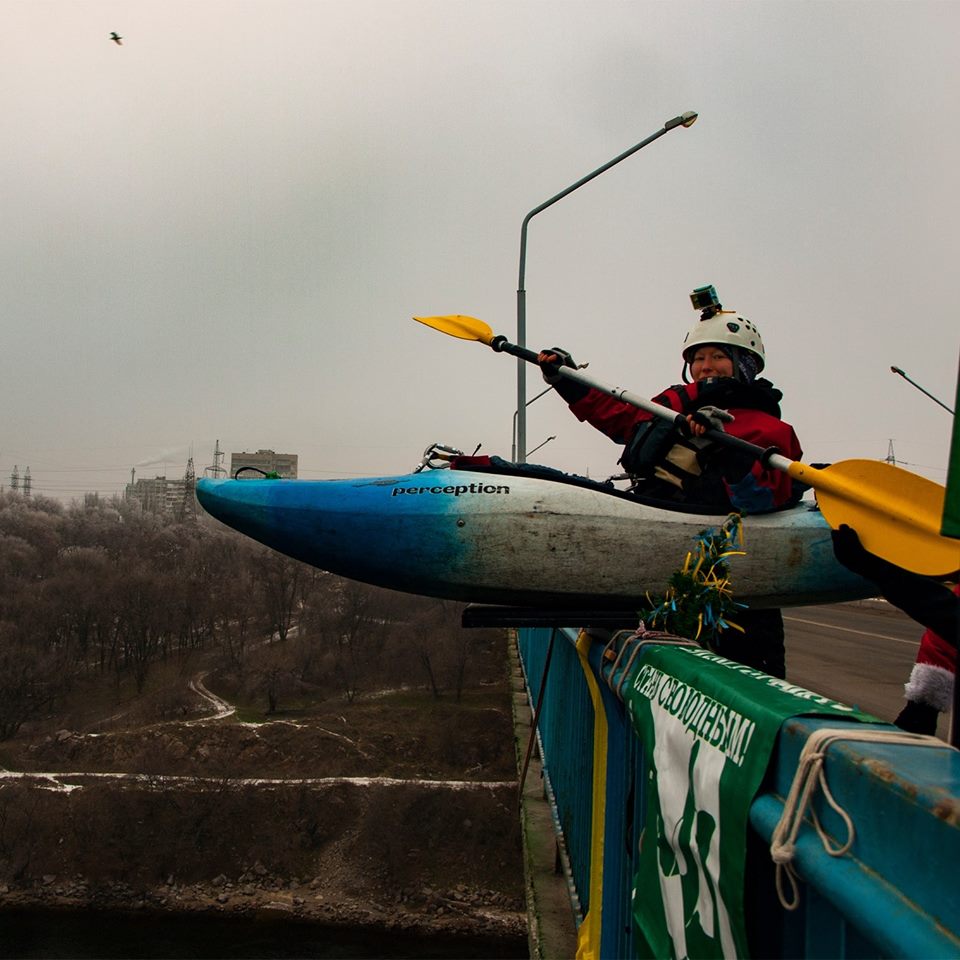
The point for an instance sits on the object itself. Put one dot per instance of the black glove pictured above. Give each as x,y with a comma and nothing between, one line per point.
917,717
925,599
551,368
854,556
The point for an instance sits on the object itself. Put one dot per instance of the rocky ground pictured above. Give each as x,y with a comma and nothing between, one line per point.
396,812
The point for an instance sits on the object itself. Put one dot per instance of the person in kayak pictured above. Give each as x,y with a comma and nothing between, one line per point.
724,354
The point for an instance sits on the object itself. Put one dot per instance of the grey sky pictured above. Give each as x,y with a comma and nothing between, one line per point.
221,228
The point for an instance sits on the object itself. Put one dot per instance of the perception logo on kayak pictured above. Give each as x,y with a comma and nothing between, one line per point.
455,490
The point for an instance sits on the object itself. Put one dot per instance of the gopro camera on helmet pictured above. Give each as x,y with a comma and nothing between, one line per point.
716,325
705,300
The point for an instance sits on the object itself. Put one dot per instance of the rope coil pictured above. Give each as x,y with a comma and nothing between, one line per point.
810,774
637,640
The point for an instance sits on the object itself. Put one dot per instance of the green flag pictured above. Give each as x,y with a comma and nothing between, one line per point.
951,504
708,726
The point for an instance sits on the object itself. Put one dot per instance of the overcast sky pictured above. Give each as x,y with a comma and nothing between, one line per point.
221,228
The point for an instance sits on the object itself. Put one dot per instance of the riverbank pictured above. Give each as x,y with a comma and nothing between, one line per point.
31,933
429,859
386,816
75,918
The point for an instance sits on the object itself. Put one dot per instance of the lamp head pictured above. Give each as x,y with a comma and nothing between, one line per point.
684,120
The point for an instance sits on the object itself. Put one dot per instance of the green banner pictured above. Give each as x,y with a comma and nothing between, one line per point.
951,505
708,726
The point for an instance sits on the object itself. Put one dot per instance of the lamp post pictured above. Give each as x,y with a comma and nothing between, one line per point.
684,120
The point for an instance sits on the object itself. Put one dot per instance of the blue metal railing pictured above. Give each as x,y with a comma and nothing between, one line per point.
565,726
894,894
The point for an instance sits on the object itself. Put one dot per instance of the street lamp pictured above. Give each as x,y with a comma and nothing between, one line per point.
684,120
917,385
545,442
513,436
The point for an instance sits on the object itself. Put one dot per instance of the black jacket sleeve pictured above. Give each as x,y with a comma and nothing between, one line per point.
927,601
570,390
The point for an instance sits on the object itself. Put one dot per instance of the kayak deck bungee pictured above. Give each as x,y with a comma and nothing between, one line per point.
484,537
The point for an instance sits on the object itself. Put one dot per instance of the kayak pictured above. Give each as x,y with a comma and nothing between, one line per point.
523,539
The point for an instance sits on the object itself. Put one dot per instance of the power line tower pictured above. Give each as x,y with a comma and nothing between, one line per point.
891,456
26,482
190,492
15,479
218,469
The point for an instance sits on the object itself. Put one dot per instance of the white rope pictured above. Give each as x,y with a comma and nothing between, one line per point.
608,653
640,638
810,773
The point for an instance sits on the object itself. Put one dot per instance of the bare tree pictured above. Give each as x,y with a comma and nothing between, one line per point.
458,641
280,580
141,629
360,628
31,678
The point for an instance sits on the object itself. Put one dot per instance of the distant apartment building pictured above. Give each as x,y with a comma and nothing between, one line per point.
167,498
283,464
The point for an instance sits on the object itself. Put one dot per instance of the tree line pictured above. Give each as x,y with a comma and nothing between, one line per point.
100,587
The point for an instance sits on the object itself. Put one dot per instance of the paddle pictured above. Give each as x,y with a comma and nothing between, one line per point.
897,514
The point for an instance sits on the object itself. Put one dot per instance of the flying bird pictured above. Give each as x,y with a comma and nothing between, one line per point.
116,38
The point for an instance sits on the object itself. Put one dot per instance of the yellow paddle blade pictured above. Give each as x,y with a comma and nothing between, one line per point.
457,325
897,514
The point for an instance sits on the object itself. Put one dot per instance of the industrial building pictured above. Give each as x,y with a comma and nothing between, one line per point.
265,461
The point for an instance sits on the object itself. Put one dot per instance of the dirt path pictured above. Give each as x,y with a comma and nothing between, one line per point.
72,781
221,708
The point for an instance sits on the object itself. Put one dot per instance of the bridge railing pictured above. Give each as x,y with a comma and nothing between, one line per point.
893,893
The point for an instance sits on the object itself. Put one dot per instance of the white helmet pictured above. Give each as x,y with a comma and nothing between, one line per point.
725,327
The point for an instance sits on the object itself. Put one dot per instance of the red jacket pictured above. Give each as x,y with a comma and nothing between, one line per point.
937,650
933,675
756,412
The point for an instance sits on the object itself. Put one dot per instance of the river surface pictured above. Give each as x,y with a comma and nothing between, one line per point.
31,933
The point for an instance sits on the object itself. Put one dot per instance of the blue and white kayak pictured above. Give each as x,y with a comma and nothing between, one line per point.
521,540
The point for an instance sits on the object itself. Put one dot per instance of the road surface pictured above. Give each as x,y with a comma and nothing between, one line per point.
860,654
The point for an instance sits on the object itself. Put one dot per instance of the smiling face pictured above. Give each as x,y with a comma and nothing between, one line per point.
710,361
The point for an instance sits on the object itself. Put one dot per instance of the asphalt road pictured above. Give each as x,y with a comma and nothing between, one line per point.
860,654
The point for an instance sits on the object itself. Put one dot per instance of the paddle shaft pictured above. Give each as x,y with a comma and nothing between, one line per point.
768,456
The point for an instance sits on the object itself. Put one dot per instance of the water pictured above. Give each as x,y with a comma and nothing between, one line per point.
31,933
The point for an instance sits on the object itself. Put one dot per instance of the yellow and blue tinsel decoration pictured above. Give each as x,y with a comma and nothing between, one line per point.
698,601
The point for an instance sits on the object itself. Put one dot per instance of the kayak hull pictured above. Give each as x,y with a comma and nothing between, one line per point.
489,538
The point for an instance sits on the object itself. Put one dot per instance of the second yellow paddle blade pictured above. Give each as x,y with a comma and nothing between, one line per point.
462,327
897,514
